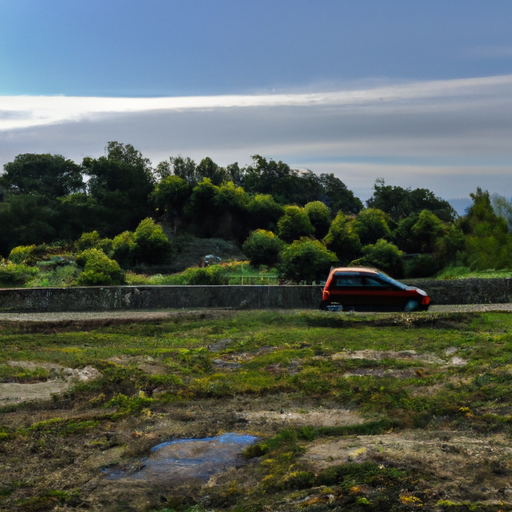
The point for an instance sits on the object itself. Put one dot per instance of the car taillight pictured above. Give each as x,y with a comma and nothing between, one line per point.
425,301
326,294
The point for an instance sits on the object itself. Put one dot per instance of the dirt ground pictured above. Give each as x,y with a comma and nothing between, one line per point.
460,466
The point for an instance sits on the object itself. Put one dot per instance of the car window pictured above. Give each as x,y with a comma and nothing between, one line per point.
342,281
370,281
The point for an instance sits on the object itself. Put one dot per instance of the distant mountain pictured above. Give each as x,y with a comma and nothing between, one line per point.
460,205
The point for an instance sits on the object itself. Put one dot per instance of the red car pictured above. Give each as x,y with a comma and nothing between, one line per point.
368,289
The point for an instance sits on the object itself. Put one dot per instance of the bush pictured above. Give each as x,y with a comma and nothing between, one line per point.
263,248
319,216
423,265
343,240
306,260
384,256
12,274
151,244
21,253
214,275
123,247
92,240
294,224
99,269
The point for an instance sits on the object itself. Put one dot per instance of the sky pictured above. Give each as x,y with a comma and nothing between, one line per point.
417,93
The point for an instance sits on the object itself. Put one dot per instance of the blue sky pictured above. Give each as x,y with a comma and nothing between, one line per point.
418,93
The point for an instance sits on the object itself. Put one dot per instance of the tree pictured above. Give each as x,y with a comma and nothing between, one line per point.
263,248
419,233
488,244
121,182
399,202
306,260
319,216
264,212
294,224
382,255
184,168
151,245
337,196
207,168
371,225
47,175
343,240
170,197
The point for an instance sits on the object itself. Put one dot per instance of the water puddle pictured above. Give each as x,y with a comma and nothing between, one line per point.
187,459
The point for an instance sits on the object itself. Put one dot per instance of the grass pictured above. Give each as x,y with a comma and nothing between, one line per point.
396,370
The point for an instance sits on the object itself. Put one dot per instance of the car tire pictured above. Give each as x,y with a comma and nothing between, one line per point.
412,305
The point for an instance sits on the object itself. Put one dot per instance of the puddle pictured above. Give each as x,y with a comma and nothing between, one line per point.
187,459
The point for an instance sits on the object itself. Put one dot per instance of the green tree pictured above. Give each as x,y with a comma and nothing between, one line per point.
371,225
123,247
264,212
207,168
337,196
343,240
319,216
306,260
184,168
170,197
294,224
152,246
42,174
263,248
488,244
419,233
121,183
382,255
399,202
201,210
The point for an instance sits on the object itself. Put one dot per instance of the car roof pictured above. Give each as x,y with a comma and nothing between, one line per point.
354,269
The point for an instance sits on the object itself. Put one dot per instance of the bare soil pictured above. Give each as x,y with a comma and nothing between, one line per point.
459,466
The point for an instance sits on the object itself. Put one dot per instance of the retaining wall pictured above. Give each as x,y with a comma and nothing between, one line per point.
109,298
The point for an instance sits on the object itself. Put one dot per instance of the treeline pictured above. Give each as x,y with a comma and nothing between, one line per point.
297,220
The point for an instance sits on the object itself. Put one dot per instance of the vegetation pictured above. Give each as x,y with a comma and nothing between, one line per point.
136,215
425,398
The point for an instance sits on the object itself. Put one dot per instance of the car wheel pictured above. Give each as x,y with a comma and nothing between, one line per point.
412,305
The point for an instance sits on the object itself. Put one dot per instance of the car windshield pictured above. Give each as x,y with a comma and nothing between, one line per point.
392,281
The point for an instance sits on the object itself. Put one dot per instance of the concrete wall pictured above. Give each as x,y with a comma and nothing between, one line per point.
108,298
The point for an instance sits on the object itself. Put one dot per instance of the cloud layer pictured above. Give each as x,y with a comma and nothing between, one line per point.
449,136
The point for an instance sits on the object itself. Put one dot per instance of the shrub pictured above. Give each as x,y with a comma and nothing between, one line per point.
21,253
319,216
123,247
92,240
12,274
342,239
306,260
382,255
99,269
423,265
214,275
151,244
294,224
263,248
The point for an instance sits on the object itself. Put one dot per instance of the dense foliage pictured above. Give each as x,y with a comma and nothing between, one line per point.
120,205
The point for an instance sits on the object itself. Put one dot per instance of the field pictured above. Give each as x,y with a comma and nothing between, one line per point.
350,412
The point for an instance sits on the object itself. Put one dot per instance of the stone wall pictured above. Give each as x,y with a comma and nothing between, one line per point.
109,298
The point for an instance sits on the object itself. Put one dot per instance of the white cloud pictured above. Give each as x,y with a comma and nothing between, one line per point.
449,136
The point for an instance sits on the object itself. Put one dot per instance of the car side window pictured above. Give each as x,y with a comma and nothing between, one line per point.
348,281
370,281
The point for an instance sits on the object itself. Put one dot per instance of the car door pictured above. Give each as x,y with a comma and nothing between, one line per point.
384,295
